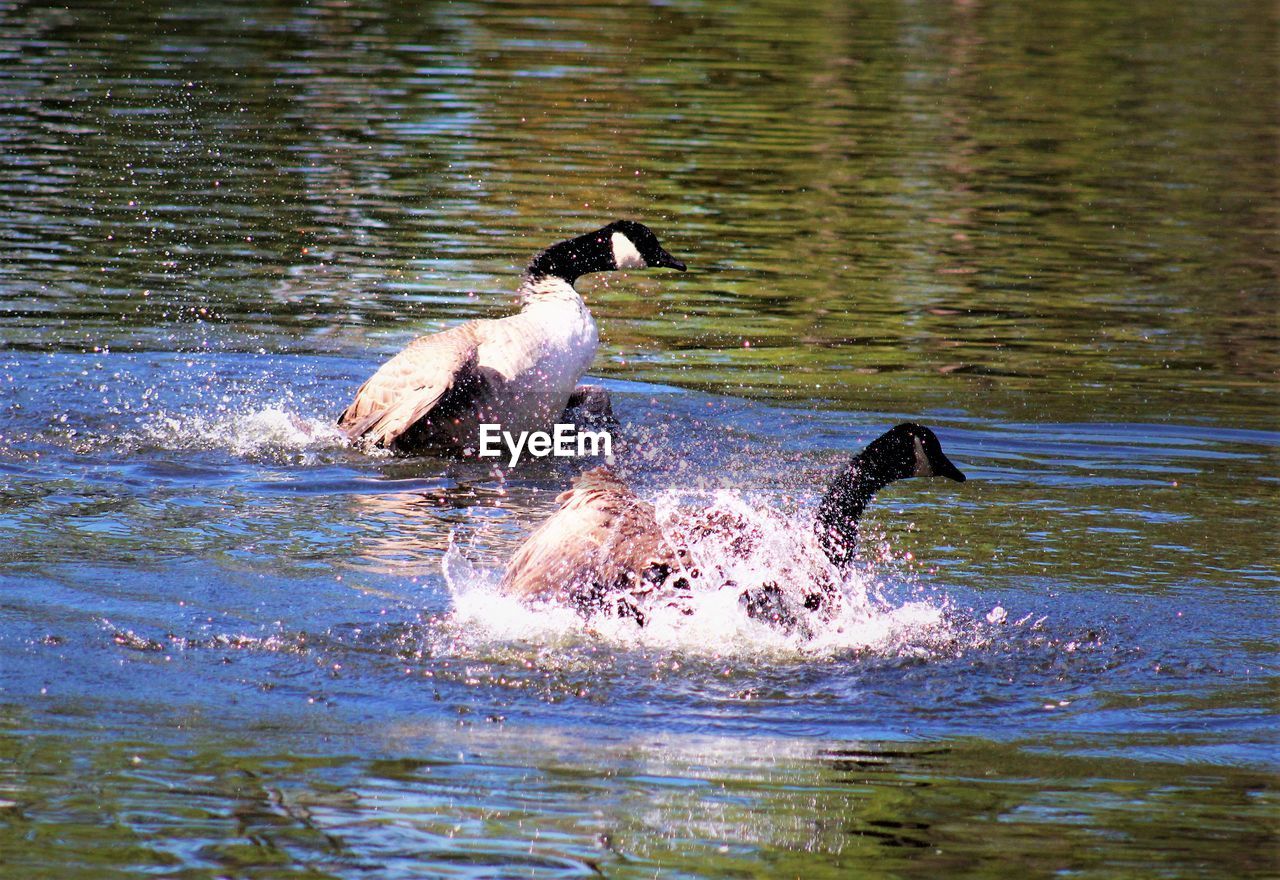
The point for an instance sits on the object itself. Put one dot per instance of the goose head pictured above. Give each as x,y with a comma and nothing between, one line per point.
908,450
905,451
634,246
623,244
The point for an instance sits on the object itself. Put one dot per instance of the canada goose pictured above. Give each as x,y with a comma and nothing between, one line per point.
518,371
604,548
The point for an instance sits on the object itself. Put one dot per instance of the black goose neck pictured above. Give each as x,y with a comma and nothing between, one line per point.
842,506
572,259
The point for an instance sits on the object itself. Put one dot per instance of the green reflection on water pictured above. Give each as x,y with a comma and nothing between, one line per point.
503,802
898,207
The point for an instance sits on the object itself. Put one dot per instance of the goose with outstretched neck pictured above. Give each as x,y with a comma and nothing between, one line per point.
909,450
604,549
518,372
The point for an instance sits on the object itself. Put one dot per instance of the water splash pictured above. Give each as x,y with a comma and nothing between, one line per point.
249,430
248,406
481,609
251,416
764,546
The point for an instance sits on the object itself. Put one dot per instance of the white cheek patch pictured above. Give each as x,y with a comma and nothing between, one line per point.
625,255
923,466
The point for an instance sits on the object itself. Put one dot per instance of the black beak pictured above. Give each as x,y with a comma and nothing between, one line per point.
667,261
942,467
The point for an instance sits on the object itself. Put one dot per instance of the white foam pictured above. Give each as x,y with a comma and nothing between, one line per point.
480,607
711,620
251,430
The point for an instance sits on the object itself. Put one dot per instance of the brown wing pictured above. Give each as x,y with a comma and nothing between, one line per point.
602,538
411,384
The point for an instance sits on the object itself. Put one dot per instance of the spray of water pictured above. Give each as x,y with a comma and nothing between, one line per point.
752,545
249,429
127,404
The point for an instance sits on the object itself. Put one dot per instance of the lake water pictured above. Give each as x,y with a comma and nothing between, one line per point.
228,645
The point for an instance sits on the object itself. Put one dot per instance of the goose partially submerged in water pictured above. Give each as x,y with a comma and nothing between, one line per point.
518,372
604,550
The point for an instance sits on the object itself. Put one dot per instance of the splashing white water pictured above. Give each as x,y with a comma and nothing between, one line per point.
760,546
252,430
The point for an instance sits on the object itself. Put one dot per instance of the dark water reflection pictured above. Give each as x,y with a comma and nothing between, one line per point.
888,203
226,646
687,807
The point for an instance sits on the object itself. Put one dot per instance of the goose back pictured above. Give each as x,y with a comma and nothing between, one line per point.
603,542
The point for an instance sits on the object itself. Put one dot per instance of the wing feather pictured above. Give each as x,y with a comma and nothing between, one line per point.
406,388
602,538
